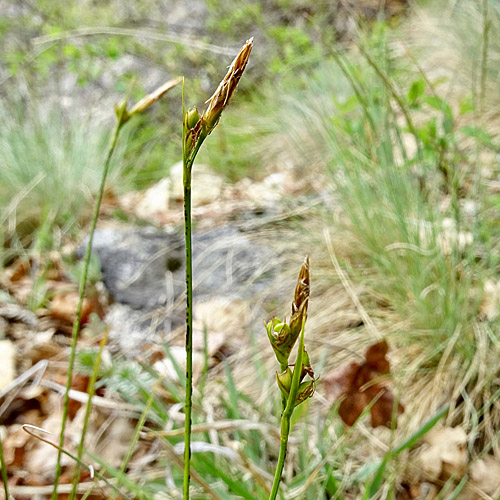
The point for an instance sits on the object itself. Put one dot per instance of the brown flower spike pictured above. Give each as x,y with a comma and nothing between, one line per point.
197,129
225,90
146,101
301,299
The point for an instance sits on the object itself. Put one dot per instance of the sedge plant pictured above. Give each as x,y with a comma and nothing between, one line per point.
195,130
294,389
122,117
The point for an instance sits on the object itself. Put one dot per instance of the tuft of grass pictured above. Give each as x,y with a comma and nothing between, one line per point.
390,158
50,169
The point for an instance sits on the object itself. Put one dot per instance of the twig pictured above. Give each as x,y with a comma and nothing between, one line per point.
38,369
220,425
41,366
83,397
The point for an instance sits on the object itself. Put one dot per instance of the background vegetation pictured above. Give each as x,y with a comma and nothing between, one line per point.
388,116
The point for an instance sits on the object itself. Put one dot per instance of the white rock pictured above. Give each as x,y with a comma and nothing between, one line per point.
155,200
206,185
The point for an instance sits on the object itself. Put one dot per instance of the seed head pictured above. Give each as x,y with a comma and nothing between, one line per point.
301,299
282,335
225,90
154,96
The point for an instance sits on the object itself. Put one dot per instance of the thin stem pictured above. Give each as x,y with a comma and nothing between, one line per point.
4,471
287,414
199,131
189,338
188,165
83,280
90,392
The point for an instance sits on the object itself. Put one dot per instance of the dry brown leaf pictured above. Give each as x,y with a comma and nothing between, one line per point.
18,270
63,307
359,385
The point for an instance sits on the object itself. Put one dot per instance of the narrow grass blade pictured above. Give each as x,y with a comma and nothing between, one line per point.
4,471
235,486
138,429
90,392
421,432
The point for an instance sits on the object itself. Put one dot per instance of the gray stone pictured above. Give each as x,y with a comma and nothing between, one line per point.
144,268
135,264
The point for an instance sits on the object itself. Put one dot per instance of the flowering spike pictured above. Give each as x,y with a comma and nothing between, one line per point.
306,390
283,336
301,299
154,96
225,90
192,129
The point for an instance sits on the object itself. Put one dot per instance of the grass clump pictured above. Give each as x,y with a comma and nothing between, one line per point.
49,172
408,205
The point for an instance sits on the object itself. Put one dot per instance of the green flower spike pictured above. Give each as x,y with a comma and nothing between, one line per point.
283,336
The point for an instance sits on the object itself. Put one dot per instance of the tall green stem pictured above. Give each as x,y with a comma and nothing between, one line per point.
189,338
195,129
188,165
188,161
83,280
287,415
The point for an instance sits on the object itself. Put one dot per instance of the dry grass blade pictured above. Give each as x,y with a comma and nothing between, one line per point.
347,285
